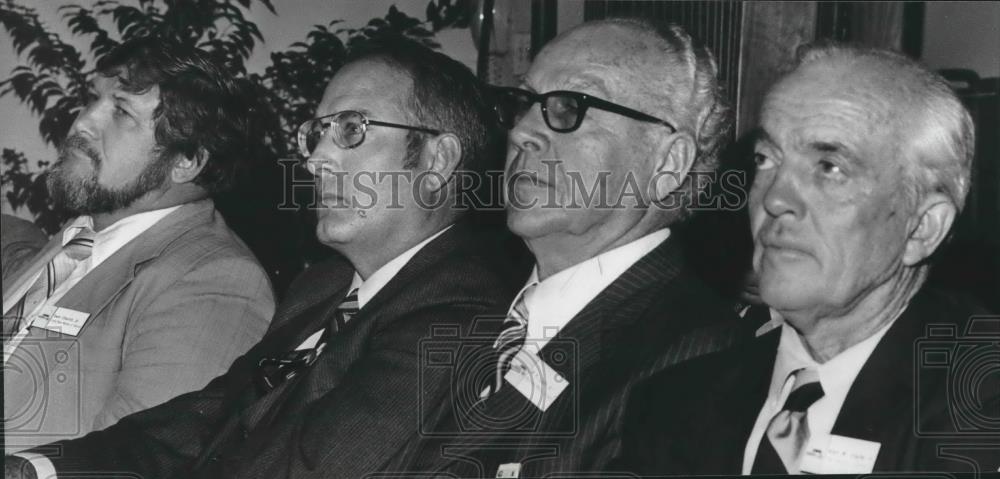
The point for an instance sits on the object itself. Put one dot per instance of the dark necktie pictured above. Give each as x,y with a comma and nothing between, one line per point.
788,432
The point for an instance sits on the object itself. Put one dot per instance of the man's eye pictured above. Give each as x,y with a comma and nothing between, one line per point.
830,168
762,161
121,112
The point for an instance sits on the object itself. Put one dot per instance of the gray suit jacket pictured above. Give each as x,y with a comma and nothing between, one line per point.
168,312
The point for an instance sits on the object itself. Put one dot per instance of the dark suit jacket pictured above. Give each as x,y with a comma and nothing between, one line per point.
620,336
697,418
343,417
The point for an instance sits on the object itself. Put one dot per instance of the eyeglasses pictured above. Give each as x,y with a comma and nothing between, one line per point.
348,130
562,110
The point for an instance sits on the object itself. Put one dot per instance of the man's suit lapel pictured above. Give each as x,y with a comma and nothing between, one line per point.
95,291
877,406
736,397
597,329
20,280
329,368
588,344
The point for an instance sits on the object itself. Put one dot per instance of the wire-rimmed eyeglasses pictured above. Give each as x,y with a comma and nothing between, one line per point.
346,128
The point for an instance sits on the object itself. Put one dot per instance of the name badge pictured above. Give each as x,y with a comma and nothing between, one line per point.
835,454
535,380
509,470
60,320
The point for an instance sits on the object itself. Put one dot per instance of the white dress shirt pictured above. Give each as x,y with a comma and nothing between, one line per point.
835,376
560,297
367,289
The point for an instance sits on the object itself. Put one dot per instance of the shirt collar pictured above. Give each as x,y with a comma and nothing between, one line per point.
836,374
560,297
109,240
367,289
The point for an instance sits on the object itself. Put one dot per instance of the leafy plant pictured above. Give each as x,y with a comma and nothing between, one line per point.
54,82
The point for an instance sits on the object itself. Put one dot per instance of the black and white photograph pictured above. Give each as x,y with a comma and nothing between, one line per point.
416,239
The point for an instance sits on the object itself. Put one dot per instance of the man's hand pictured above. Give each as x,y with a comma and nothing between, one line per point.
18,468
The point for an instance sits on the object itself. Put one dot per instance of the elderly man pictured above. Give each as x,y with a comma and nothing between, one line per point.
610,121
148,294
335,388
863,161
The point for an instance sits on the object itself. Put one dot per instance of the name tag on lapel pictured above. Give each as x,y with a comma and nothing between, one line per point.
61,320
509,470
835,454
535,380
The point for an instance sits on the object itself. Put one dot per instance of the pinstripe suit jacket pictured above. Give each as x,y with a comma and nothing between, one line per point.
632,328
168,312
360,403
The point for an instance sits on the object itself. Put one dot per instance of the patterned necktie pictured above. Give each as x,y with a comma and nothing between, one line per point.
57,271
348,309
511,339
788,432
272,371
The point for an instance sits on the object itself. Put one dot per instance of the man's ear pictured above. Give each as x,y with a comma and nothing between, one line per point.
673,158
186,168
934,217
439,160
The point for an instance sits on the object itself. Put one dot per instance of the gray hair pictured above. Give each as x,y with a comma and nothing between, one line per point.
690,94
941,141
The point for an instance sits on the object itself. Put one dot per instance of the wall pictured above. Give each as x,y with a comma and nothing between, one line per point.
963,35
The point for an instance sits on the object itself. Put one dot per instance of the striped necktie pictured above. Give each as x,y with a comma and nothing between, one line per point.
781,448
511,339
348,309
273,371
57,271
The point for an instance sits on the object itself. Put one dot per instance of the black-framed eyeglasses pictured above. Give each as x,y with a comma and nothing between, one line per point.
562,110
346,128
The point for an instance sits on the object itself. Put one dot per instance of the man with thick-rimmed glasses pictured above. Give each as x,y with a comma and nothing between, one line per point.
339,385
607,129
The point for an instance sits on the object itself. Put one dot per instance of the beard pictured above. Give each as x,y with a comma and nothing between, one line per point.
85,195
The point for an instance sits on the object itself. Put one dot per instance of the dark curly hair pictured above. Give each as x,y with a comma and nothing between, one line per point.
202,107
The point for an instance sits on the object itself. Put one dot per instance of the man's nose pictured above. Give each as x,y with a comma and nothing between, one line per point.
321,158
530,132
88,121
782,195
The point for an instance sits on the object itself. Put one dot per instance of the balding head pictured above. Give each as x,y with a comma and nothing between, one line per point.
660,67
863,165
935,132
639,109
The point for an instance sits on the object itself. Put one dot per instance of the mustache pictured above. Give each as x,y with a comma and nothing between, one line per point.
79,143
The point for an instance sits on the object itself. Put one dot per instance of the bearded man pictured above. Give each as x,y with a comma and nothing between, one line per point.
146,294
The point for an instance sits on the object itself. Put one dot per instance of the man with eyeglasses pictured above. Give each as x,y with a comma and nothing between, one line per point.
339,385
611,120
